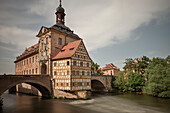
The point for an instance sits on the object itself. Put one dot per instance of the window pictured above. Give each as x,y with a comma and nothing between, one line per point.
36,58
67,84
63,50
68,62
81,63
78,56
77,73
55,64
87,64
46,52
84,57
42,44
61,84
55,73
32,71
41,53
33,59
46,40
24,62
71,49
27,71
73,84
60,41
36,70
27,61
24,72
80,83
68,73
82,72
88,84
30,60
57,84
74,63
88,73
73,72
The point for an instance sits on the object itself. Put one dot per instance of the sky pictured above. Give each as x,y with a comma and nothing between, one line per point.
112,30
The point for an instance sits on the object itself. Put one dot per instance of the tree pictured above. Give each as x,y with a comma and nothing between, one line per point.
158,78
95,68
120,81
135,82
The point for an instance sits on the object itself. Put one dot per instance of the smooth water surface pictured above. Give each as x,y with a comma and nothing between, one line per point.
127,103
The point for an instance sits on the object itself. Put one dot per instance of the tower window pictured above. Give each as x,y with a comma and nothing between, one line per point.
46,40
60,41
47,53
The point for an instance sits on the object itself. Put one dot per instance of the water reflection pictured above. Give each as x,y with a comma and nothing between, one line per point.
33,104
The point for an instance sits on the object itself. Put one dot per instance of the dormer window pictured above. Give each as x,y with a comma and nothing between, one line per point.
63,50
71,49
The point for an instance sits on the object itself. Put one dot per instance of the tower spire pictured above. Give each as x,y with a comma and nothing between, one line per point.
60,4
60,14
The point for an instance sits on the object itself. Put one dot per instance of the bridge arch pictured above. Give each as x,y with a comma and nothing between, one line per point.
101,82
6,83
97,85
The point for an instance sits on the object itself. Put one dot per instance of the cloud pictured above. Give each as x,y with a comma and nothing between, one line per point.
20,37
99,22
151,52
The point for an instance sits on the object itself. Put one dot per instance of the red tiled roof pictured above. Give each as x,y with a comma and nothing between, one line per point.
109,67
68,50
28,51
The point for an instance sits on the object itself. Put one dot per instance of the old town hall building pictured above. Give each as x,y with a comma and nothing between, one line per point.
59,53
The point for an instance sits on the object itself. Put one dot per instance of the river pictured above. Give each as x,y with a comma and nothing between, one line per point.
127,103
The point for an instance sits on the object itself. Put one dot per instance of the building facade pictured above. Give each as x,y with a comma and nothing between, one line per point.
110,69
59,53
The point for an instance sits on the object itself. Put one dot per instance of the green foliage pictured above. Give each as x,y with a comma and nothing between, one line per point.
1,101
95,67
61,97
135,82
120,82
158,78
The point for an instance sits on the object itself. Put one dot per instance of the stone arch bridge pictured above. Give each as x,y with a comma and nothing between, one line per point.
41,82
101,82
